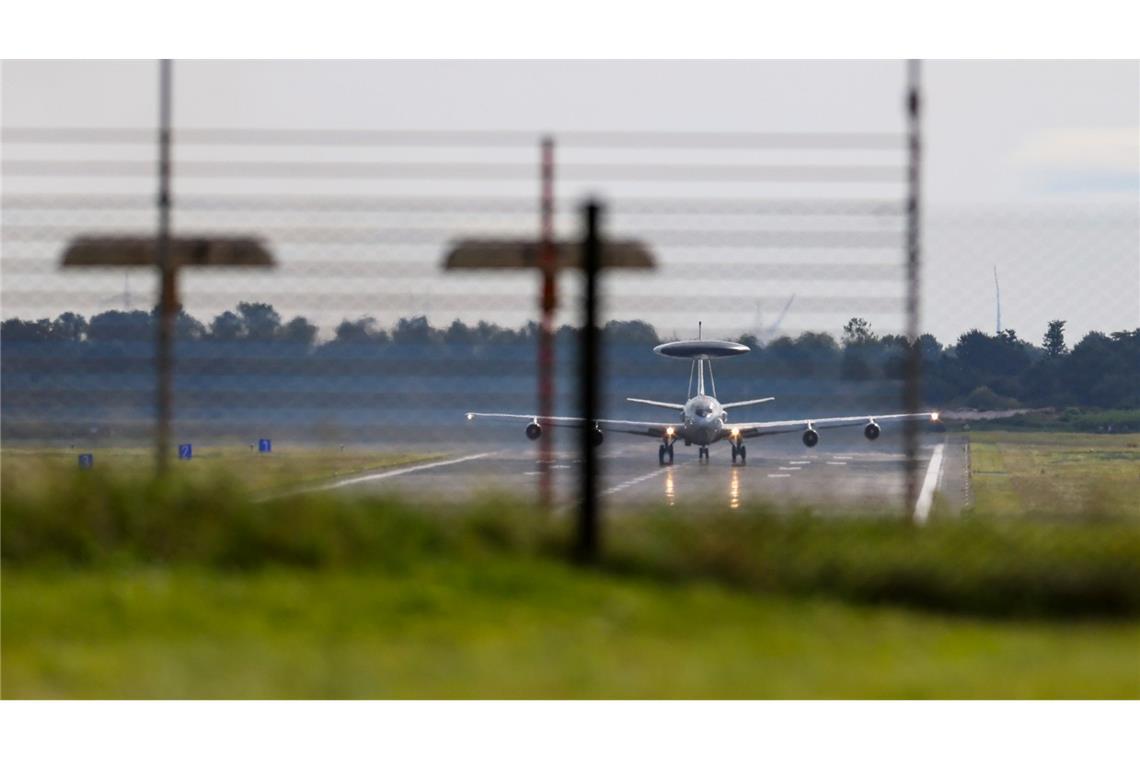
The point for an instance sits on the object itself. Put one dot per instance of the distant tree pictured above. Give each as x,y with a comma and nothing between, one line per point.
227,326
634,332
260,321
413,331
1054,342
1005,354
857,332
25,330
362,330
457,333
929,348
121,326
187,327
984,399
69,326
298,331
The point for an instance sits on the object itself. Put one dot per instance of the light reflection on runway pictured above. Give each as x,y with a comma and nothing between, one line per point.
870,478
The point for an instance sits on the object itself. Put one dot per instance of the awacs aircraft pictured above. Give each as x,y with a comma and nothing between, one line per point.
702,420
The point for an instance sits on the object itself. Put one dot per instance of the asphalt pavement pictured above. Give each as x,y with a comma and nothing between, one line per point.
844,474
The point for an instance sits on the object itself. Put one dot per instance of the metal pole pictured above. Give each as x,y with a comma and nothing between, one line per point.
548,263
911,387
589,379
167,299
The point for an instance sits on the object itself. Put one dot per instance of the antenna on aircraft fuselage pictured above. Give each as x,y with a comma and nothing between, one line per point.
699,323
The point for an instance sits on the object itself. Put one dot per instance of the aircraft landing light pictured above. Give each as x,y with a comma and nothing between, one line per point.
934,416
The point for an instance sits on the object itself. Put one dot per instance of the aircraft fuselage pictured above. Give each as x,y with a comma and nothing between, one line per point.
702,421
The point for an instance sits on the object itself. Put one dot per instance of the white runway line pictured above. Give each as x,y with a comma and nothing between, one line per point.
386,474
842,457
791,468
635,481
926,495
800,461
840,464
779,475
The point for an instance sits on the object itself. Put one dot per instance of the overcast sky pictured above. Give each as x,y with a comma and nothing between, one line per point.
1056,141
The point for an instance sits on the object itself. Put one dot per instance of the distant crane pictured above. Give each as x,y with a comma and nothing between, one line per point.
997,302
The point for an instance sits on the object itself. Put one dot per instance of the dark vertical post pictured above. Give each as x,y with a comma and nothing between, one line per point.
589,379
911,389
167,298
548,263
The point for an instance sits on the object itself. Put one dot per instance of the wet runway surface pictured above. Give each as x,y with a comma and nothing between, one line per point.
845,474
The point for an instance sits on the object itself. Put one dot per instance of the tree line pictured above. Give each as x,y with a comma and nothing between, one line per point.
979,370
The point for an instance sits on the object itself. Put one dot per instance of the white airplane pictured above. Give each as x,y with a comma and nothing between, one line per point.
703,420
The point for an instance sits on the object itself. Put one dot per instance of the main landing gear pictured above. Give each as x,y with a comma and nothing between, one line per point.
665,452
739,451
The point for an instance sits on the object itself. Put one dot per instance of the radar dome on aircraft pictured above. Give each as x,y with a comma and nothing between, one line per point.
701,349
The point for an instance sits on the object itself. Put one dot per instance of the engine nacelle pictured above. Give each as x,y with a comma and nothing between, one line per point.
871,432
811,438
596,437
533,431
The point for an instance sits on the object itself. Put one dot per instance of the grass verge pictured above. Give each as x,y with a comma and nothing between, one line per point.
1066,474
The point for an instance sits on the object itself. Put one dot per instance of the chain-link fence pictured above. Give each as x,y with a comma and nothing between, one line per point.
793,244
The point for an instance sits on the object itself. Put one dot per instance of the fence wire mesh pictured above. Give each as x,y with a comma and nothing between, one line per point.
793,244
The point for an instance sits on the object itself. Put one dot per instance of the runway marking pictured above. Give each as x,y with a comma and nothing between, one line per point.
836,456
838,464
926,494
791,468
384,474
635,481
560,467
800,461
779,475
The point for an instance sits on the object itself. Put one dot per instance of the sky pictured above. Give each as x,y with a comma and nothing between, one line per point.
1029,167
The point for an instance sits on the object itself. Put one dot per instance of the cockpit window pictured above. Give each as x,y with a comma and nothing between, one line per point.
703,412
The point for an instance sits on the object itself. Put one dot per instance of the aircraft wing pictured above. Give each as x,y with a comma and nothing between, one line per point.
756,429
633,427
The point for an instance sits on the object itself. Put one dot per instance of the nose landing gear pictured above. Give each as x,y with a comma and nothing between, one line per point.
665,451
703,453
739,451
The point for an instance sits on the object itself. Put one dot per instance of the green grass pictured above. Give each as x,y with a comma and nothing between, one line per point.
187,587
1067,474
518,628
286,468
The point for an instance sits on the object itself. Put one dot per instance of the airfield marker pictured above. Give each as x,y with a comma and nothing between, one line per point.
264,446
185,451
86,461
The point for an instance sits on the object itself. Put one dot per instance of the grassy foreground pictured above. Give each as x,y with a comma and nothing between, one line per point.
518,628
183,588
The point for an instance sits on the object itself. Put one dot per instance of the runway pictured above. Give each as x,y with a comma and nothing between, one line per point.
845,474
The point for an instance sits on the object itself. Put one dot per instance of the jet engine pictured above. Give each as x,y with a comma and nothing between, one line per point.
596,437
533,431
811,437
871,431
